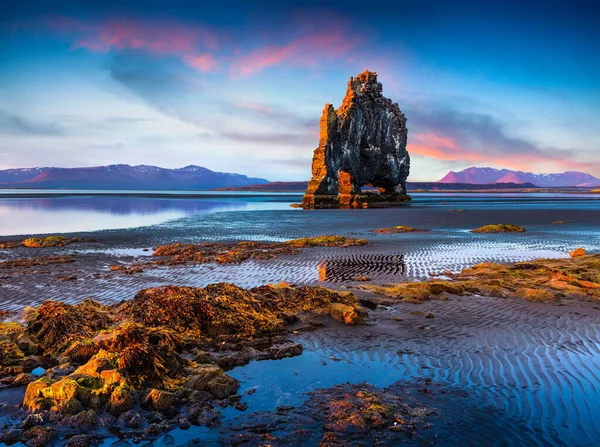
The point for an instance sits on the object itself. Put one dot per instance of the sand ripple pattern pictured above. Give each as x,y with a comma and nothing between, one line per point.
538,365
449,246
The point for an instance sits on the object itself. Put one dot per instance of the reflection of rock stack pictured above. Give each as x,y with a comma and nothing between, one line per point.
350,268
362,143
323,271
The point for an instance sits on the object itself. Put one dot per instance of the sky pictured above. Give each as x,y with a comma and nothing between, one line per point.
239,86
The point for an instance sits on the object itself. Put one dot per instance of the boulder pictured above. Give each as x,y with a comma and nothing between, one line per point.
213,379
10,436
577,252
159,400
82,441
23,379
347,314
222,386
34,392
80,351
38,436
120,400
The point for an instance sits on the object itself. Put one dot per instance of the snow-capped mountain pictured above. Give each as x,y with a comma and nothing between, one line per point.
490,175
123,177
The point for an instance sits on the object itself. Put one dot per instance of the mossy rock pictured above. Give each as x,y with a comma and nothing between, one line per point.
400,229
48,241
539,280
326,241
499,228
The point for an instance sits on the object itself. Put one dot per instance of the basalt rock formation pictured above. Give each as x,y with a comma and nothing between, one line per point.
362,143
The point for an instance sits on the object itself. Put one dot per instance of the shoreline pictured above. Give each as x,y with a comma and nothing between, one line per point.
283,193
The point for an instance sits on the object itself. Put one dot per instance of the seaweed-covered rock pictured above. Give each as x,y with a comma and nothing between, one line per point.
539,280
208,312
499,228
34,262
361,143
164,350
347,414
57,325
400,229
234,253
347,314
50,241
160,400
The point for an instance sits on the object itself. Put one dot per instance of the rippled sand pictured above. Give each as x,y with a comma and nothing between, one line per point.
535,367
396,257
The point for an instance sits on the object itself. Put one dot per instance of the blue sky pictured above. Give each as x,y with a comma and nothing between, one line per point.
240,86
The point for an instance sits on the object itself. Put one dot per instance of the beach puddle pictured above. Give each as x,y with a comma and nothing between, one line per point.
118,252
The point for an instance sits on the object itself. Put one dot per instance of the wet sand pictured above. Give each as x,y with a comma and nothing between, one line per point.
388,258
514,372
538,364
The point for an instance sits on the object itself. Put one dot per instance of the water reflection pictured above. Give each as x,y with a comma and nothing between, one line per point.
349,268
89,213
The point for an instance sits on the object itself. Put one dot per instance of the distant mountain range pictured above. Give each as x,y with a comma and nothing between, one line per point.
481,176
192,177
411,186
123,177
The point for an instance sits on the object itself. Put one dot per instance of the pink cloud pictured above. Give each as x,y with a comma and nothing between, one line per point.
433,145
162,37
308,50
202,63
204,49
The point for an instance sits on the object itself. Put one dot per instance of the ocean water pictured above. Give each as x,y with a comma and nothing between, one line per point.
42,212
66,211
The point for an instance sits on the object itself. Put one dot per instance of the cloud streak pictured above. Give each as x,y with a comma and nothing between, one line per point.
161,85
278,139
13,124
446,134
159,37
280,115
327,44
308,43
202,63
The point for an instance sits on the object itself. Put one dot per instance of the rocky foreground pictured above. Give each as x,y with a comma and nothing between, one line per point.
151,363
159,361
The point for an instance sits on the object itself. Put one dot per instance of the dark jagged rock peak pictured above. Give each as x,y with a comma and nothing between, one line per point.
362,143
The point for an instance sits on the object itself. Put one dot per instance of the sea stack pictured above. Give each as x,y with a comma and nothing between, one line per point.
363,143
